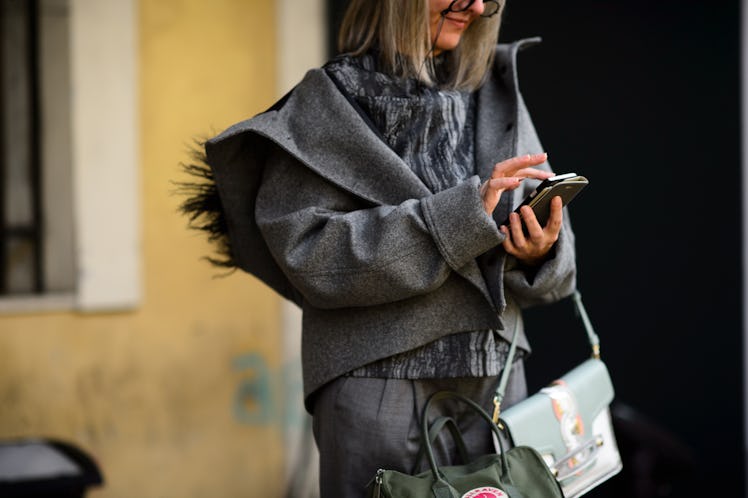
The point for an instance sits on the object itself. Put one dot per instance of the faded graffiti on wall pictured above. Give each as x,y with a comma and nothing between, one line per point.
266,396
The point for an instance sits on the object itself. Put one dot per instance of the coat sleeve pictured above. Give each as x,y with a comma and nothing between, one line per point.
341,251
551,281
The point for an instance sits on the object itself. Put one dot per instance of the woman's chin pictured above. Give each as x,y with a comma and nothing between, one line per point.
445,47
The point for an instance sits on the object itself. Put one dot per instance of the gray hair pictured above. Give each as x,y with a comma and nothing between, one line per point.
399,31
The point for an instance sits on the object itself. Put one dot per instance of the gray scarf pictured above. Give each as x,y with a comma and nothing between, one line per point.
430,128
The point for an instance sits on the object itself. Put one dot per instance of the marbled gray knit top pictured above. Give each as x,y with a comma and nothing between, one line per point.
432,130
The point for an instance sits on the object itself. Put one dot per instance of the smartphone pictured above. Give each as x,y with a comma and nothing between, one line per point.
566,186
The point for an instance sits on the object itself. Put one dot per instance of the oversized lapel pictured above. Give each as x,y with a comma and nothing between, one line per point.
499,118
318,126
498,131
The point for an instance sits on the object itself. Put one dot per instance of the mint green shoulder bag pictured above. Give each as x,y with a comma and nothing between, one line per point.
568,422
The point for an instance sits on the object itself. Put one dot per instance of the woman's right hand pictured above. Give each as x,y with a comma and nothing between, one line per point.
507,175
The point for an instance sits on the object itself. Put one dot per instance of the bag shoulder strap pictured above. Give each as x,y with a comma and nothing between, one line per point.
591,336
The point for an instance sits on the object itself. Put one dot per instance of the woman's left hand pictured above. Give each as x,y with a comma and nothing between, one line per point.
532,247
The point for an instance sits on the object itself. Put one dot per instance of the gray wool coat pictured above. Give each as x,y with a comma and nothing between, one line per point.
324,212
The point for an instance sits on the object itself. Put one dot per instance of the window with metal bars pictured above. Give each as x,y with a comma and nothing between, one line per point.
36,254
20,214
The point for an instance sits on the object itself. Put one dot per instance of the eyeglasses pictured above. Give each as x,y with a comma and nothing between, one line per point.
490,7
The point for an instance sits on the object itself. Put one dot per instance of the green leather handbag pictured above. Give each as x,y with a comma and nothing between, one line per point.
516,473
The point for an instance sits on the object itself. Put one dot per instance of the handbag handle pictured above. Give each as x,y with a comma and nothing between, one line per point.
436,427
592,337
440,395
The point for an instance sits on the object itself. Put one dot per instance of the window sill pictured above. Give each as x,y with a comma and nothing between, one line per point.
30,303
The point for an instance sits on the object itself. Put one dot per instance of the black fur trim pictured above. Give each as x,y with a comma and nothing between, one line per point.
202,206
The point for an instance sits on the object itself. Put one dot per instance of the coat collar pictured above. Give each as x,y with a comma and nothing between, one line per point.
318,127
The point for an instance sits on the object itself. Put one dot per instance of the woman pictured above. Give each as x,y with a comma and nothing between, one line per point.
373,196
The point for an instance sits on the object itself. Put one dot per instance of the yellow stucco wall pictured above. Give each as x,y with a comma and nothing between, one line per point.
152,393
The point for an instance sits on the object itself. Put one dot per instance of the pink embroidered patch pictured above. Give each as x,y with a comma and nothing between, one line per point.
485,492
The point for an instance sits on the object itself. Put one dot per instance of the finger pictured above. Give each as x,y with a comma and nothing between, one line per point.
515,228
490,191
508,244
538,174
534,230
509,166
553,227
502,184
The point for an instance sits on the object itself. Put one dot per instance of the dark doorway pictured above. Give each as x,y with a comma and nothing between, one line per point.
644,99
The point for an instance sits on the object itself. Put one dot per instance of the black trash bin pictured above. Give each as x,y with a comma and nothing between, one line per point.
45,468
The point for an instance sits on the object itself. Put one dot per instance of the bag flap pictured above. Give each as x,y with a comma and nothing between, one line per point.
560,416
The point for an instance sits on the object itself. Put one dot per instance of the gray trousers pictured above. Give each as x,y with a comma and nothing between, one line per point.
364,424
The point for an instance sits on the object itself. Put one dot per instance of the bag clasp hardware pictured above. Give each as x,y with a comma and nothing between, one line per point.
496,411
378,483
578,459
